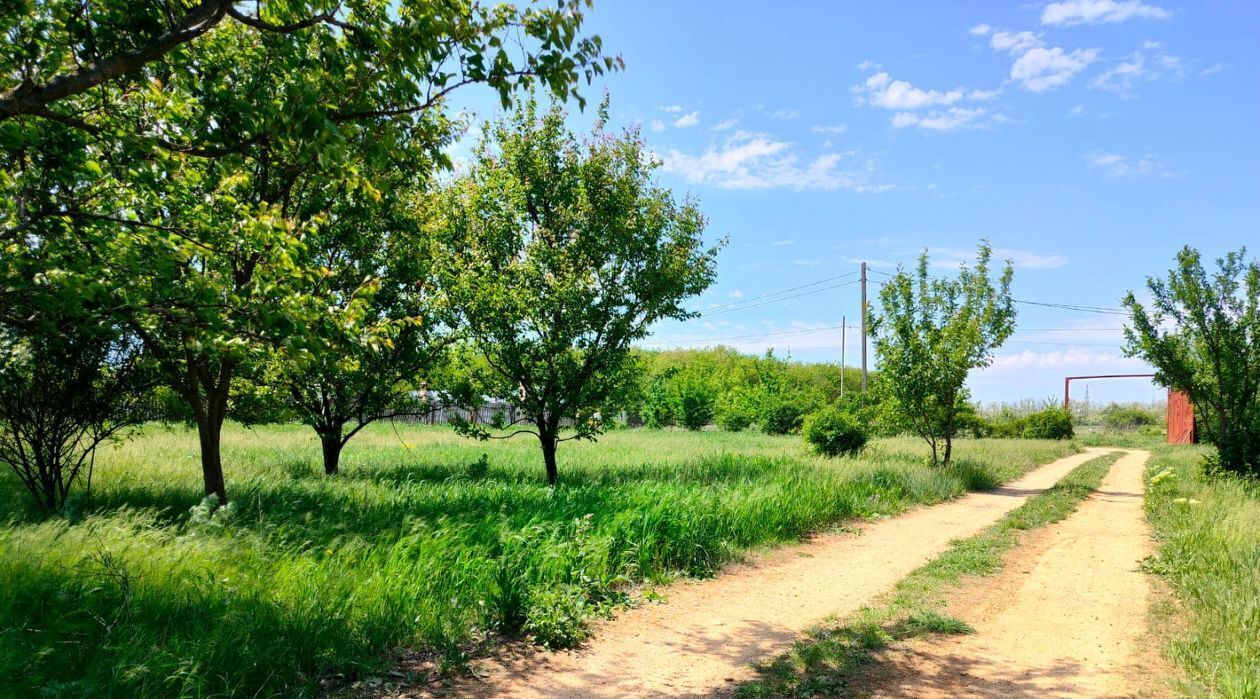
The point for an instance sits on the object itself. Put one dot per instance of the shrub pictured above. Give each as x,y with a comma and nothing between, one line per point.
658,407
735,411
780,416
1128,417
833,432
695,405
1051,423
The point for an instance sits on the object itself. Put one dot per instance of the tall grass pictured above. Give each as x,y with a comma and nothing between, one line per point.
1209,535
421,543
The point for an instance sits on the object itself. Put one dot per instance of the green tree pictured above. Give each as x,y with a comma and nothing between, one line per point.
1202,335
930,334
63,392
176,159
563,252
384,328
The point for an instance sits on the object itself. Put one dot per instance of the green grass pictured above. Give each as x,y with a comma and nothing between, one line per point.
418,545
831,657
1209,552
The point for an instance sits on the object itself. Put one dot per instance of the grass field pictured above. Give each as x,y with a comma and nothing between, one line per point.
1209,551
420,544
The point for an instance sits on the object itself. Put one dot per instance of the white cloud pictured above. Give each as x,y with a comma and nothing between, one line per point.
868,65
735,294
950,258
786,114
882,91
672,108
725,124
1139,67
1214,68
1117,165
1060,359
689,119
834,129
980,30
750,160
658,125
1042,69
947,120
783,243
1014,42
1072,12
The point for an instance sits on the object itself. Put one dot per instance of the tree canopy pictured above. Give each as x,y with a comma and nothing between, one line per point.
562,252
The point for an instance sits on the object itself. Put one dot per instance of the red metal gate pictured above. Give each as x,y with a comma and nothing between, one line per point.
1180,418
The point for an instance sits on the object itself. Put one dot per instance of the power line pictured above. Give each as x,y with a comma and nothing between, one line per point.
776,300
751,337
1075,307
781,291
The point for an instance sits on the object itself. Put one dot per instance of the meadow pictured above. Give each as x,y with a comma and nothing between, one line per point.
1208,530
427,543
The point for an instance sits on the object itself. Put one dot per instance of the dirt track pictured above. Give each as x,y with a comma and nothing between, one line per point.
1065,618
702,641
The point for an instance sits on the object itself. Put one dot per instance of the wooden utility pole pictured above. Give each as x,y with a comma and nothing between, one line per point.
842,328
864,327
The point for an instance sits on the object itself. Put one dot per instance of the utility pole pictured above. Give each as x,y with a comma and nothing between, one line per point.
864,327
842,328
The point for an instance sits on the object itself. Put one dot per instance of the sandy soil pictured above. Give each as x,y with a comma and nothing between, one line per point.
703,639
1065,618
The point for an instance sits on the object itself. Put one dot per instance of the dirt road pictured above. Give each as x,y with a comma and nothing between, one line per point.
1065,618
702,641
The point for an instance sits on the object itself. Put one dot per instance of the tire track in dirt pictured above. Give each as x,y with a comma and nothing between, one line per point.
703,640
1066,617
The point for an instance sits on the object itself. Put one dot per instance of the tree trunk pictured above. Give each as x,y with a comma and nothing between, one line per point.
330,440
949,449
209,432
548,440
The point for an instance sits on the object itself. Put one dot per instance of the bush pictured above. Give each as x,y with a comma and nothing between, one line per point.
658,407
735,411
780,416
695,405
833,432
1128,417
1051,423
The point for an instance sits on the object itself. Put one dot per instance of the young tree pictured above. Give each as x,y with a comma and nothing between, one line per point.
182,160
64,391
384,327
562,253
1202,335
931,333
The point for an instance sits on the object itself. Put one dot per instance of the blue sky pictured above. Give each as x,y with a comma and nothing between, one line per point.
1087,139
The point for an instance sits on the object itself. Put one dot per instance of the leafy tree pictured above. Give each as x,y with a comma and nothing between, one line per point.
782,415
562,253
178,160
658,406
384,327
695,404
929,336
63,392
1202,335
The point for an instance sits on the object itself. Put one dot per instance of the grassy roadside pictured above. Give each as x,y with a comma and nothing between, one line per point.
427,543
830,658
1208,530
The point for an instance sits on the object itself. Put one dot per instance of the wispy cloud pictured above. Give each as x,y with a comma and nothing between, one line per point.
980,30
1072,12
951,258
725,124
786,114
688,119
657,125
1060,359
672,108
783,243
1041,69
880,90
947,120
1147,64
748,160
1117,165
834,129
